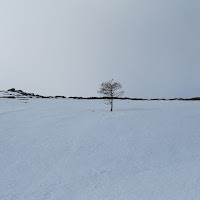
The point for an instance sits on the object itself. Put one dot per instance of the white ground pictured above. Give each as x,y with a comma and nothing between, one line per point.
62,149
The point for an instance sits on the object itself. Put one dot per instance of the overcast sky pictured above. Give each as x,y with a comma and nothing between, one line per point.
68,47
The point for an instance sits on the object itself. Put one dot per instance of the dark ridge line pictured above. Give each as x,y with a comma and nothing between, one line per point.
31,95
140,99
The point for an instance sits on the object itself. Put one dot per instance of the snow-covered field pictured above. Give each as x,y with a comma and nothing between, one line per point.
63,149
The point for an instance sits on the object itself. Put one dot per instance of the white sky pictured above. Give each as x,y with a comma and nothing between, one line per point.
68,47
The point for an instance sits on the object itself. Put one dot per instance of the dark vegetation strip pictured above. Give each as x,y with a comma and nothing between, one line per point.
140,99
31,95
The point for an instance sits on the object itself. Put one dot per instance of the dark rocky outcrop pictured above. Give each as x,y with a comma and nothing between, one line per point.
60,97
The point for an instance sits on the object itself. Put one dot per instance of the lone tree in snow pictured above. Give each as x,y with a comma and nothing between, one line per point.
111,90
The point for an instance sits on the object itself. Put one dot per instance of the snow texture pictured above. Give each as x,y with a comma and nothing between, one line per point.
56,149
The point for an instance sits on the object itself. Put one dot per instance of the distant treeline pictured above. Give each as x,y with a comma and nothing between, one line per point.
140,99
20,94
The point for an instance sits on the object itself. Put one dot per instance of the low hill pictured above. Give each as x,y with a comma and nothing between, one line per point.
19,94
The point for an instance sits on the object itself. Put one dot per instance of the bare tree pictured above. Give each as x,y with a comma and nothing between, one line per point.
111,90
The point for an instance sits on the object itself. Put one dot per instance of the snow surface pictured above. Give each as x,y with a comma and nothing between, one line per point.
7,93
77,150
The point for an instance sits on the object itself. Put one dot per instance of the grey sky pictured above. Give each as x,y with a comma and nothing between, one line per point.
68,47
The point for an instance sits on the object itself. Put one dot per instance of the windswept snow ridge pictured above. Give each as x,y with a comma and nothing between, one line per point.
77,150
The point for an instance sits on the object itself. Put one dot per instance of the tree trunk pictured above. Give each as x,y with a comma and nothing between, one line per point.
111,105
